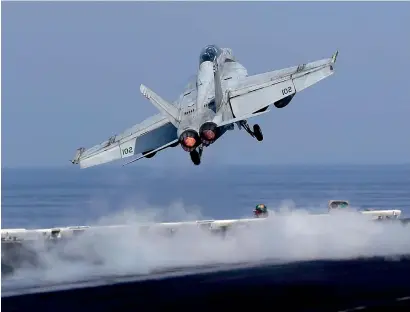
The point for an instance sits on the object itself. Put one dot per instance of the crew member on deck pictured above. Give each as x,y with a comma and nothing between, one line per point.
260,211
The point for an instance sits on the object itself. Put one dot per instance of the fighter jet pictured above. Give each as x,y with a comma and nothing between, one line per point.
220,96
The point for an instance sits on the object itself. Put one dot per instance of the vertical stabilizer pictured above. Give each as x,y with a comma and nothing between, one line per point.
163,106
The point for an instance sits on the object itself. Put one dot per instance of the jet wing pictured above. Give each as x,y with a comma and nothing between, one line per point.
153,134
257,92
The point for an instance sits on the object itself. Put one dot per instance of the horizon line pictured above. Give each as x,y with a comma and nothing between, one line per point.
179,166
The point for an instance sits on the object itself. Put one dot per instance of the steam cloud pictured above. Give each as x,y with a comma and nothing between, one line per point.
291,235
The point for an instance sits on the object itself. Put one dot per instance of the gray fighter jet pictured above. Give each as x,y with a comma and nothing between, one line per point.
221,95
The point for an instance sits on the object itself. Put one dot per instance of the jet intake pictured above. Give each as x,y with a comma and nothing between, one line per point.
189,140
208,132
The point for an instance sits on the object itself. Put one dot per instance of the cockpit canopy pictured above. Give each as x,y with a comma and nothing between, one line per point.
209,53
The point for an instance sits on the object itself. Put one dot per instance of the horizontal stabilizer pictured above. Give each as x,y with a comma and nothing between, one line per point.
169,110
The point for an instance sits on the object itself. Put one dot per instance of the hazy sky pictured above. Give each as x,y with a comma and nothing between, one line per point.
71,74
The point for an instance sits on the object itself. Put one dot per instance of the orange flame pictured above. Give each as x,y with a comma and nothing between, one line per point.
189,141
209,134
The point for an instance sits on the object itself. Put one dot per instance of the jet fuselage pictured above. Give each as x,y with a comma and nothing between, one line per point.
198,124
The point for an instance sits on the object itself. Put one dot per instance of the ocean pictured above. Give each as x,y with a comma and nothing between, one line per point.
33,198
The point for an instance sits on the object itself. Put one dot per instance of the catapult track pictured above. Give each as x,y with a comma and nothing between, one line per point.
18,235
17,244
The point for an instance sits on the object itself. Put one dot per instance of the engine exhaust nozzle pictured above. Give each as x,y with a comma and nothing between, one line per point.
189,140
208,133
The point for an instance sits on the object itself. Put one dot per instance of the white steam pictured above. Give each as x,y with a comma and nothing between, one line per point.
292,235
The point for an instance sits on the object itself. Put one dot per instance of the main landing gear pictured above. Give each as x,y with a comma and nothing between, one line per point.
257,131
196,155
